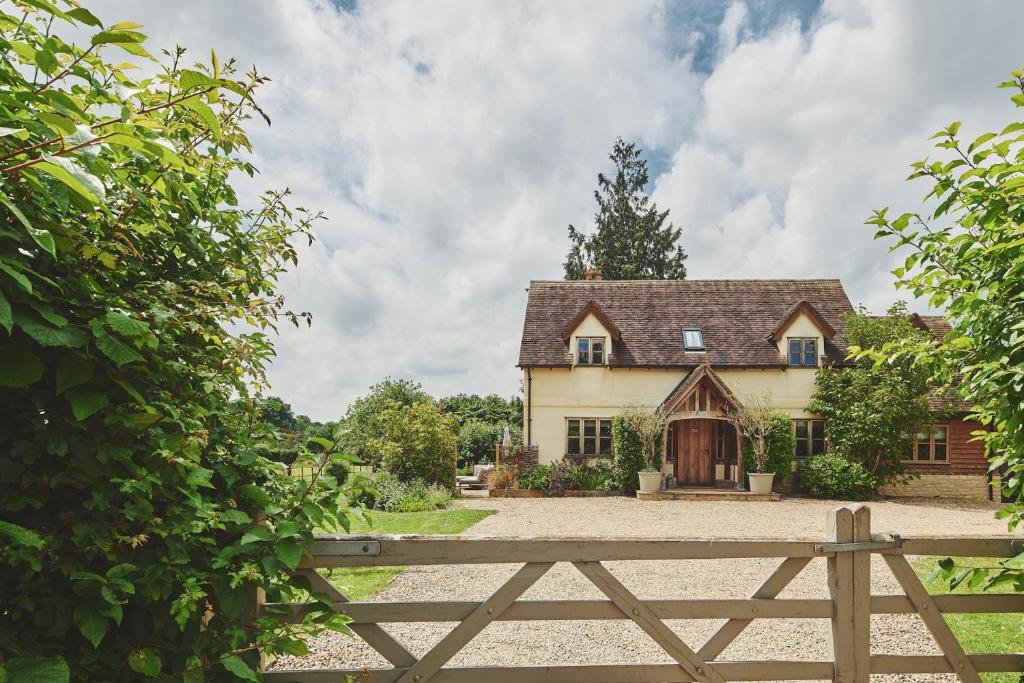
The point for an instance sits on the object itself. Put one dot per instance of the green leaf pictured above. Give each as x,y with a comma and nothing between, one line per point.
42,237
294,647
18,276
257,533
47,62
91,623
21,535
61,125
205,114
84,16
115,349
37,670
47,334
107,37
4,132
190,80
85,402
73,371
237,666
123,324
200,476
6,321
146,662
289,552
255,494
19,368
77,180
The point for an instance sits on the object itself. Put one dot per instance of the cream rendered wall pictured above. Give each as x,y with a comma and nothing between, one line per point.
586,391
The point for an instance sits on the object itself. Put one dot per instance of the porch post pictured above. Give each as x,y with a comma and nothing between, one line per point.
739,456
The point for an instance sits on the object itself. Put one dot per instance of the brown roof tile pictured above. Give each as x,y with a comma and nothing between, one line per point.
735,316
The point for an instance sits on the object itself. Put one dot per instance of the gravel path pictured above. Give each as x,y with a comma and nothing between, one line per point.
578,642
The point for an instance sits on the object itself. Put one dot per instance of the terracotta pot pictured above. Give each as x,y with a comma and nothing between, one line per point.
761,484
650,482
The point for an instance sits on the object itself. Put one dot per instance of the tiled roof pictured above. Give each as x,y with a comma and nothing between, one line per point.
735,316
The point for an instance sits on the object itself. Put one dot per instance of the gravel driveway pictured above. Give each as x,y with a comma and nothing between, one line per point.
578,642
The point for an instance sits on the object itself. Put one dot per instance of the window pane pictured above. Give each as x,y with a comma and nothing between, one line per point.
606,445
693,339
794,352
584,345
923,436
589,427
801,449
817,446
818,429
574,427
589,445
606,429
923,451
801,428
810,352
940,434
597,351
940,452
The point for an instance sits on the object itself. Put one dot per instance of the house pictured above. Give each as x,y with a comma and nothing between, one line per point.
695,349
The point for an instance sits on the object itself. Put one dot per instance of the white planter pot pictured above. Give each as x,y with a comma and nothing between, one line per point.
650,482
761,483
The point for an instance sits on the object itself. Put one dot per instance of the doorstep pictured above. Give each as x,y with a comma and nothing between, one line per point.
709,494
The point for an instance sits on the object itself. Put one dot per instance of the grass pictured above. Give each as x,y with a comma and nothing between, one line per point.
978,632
360,583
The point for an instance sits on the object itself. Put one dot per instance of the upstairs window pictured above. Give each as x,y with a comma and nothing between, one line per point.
803,352
930,444
693,339
588,437
810,437
590,350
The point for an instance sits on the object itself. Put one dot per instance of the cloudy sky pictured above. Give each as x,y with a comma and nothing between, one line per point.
451,143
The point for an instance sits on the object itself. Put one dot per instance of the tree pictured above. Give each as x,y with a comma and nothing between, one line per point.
780,443
418,442
632,241
137,518
277,413
636,444
968,255
362,426
492,409
754,418
869,408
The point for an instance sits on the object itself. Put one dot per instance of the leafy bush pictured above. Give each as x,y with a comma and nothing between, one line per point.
138,518
636,442
390,494
598,476
362,423
833,476
536,478
477,441
418,442
780,443
503,477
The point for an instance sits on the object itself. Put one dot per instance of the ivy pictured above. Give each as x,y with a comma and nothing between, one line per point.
138,297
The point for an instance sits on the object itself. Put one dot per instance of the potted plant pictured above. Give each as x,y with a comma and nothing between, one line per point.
646,427
755,420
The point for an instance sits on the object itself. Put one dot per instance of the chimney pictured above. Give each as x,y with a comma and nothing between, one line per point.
593,274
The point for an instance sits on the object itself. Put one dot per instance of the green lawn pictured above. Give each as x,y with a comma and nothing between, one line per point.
978,632
360,583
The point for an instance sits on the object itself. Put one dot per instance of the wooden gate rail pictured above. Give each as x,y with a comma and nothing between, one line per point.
847,549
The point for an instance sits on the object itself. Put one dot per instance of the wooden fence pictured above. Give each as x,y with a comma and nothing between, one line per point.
847,549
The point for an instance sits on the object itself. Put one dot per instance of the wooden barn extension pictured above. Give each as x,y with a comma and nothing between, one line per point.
848,548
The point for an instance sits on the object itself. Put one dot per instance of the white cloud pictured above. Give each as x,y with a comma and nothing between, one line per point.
451,144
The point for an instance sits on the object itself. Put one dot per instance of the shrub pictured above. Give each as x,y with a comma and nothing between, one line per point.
477,441
598,476
418,442
636,442
390,494
833,476
780,443
503,477
536,478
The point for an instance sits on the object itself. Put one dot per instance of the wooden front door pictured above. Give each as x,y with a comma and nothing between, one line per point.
694,461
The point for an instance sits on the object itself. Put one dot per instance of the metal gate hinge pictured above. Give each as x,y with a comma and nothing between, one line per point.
883,541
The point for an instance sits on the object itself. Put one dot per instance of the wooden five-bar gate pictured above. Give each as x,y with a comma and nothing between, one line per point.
848,550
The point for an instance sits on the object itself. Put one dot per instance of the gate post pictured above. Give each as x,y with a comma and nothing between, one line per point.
849,585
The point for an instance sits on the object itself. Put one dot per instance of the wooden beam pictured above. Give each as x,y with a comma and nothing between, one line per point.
645,618
959,663
489,609
840,588
1001,603
861,568
772,586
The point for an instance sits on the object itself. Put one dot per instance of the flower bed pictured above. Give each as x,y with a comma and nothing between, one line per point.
535,493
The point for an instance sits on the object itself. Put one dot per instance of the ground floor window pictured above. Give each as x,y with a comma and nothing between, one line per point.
589,436
929,444
810,437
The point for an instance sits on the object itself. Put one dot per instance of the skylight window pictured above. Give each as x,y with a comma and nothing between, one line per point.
693,339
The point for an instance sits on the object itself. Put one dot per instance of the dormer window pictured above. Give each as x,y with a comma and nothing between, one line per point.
590,350
803,352
693,339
